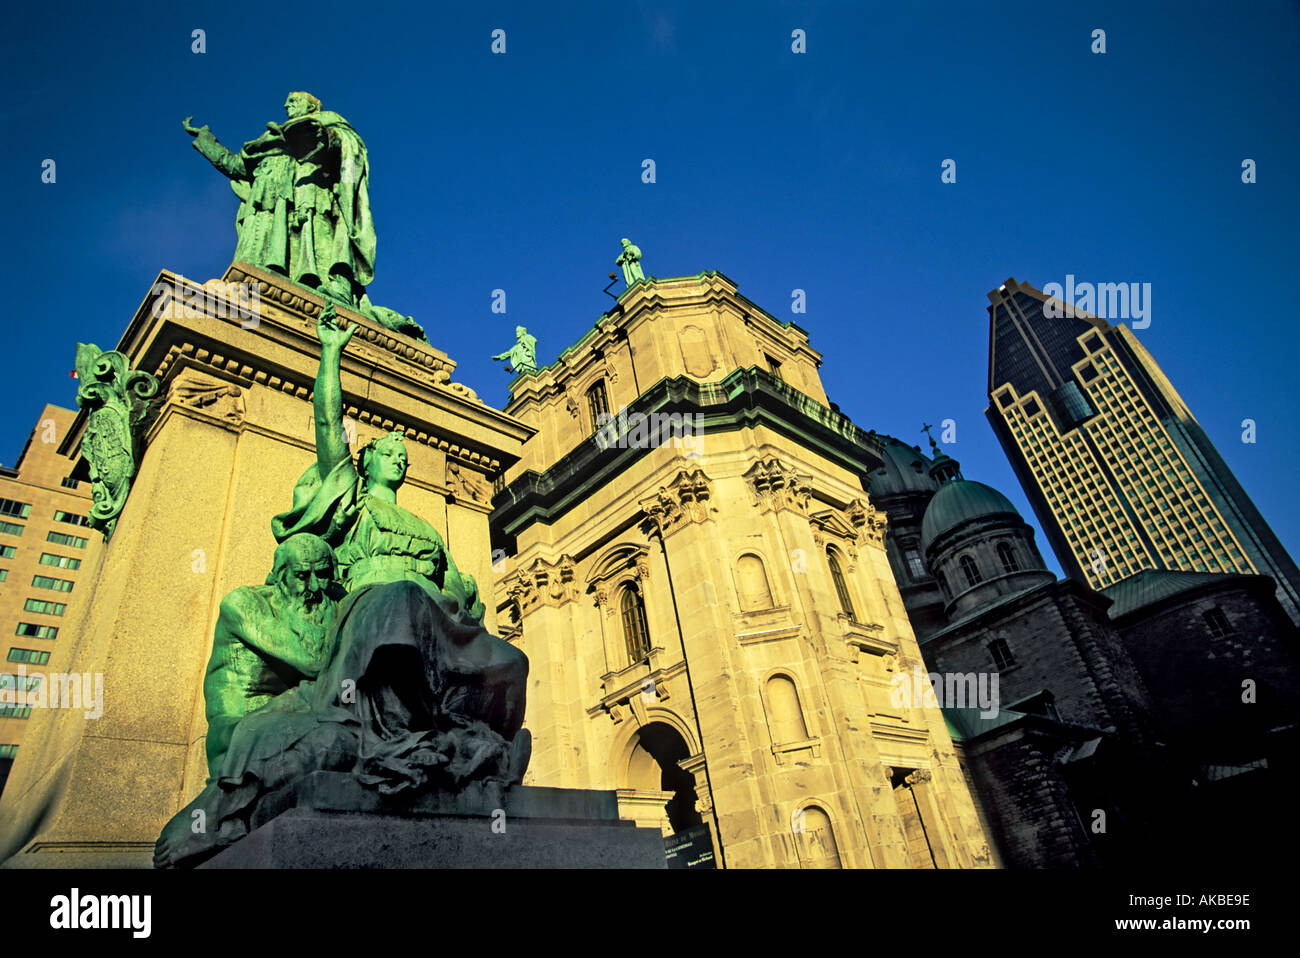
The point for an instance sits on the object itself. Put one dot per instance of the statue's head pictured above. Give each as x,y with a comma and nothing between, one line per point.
626,243
299,103
520,332
304,571
382,462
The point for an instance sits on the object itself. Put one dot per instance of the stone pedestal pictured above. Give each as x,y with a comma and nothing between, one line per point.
234,432
329,821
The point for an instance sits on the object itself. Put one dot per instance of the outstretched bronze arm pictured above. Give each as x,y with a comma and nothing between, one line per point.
327,401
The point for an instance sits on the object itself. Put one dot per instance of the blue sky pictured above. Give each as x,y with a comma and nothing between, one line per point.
818,171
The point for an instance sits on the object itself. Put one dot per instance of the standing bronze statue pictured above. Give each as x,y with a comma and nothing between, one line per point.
630,260
397,683
304,204
522,356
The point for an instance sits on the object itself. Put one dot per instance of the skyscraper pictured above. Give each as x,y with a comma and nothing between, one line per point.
1120,474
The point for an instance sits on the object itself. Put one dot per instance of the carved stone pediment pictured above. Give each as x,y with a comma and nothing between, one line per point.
626,561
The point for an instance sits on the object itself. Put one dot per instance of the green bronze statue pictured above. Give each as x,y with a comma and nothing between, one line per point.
118,402
304,205
522,356
270,637
630,260
364,654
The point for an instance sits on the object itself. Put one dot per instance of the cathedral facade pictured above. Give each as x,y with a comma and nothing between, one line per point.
688,557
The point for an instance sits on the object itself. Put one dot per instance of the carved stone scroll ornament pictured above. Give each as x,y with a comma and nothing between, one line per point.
118,401
215,397
466,484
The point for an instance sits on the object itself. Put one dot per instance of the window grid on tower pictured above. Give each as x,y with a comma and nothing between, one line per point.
1074,484
1154,477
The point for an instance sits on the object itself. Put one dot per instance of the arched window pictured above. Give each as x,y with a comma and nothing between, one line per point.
751,581
1009,563
784,714
597,404
816,838
841,587
635,631
971,571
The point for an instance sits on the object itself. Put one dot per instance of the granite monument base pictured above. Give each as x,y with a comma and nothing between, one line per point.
329,821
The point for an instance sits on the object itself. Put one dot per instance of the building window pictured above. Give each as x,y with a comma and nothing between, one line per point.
11,528
815,839
36,631
1218,624
970,571
751,582
841,586
7,552
597,405
46,582
62,539
774,366
4,574
8,751
636,633
1007,557
1002,657
19,510
30,656
71,517
15,711
62,562
912,559
68,482
45,608
785,719
943,584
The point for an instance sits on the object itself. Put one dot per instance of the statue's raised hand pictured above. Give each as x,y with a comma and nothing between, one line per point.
327,328
193,130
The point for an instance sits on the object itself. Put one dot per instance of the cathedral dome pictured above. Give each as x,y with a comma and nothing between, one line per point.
906,470
959,501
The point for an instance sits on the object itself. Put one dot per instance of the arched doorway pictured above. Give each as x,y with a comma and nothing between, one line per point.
653,775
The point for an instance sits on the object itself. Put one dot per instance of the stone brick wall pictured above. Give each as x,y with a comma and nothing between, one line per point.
1196,681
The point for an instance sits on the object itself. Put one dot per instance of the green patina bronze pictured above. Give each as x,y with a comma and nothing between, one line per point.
118,400
364,653
522,356
270,637
304,205
630,260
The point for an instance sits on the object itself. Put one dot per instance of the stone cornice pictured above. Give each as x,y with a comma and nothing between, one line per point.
381,370
744,399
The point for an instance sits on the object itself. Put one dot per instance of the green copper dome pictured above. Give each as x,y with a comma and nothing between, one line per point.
960,501
904,469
